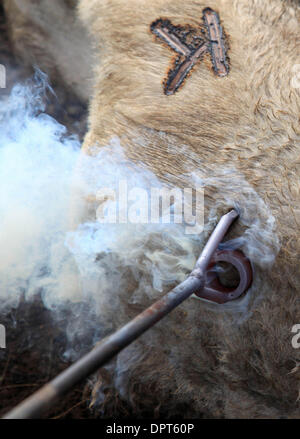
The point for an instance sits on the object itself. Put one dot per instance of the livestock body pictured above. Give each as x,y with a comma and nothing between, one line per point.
237,132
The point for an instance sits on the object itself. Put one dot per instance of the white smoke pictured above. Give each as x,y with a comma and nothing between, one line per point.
36,163
106,267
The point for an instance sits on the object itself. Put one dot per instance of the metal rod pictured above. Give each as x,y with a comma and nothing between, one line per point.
43,399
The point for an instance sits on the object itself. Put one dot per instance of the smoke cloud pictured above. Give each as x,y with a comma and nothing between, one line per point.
98,267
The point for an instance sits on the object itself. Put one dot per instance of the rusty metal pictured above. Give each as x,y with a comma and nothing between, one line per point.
40,401
214,290
191,44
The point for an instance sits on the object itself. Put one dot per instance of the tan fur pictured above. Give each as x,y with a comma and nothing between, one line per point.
249,120
198,362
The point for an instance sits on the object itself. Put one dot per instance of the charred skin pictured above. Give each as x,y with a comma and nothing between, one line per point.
211,40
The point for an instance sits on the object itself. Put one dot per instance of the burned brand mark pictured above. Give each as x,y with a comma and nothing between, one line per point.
191,45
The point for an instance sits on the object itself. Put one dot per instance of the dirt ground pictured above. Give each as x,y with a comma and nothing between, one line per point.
34,356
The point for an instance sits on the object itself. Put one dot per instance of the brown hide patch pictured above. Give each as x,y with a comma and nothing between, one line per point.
190,45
